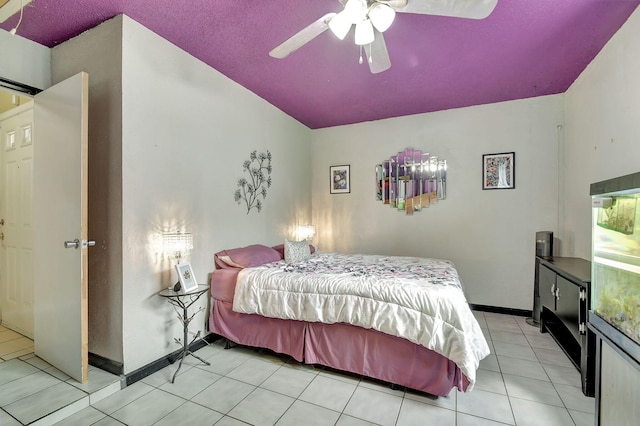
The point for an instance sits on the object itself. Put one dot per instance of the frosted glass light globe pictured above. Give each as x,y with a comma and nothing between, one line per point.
382,16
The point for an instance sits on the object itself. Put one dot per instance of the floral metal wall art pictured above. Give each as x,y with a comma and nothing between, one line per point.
258,166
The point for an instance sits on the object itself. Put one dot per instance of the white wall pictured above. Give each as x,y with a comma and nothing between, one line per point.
24,61
488,234
187,129
602,135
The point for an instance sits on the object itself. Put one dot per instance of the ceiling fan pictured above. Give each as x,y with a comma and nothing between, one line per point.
373,17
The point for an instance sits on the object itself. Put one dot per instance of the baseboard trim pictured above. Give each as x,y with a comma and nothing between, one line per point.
501,310
106,364
165,361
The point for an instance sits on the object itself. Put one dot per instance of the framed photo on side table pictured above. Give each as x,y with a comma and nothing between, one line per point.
339,180
499,171
187,278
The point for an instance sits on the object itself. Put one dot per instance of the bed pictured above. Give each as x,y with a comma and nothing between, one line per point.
401,320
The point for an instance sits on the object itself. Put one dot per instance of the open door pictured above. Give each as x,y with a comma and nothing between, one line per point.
60,226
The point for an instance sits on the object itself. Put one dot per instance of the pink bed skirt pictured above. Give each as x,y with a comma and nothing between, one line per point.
343,347
281,336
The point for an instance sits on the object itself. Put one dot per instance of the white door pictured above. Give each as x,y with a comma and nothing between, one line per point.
16,224
60,224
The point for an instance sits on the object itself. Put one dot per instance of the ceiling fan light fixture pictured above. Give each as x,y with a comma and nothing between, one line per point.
356,10
364,32
340,25
382,16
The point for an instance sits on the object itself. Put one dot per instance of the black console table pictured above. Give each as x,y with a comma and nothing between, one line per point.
564,284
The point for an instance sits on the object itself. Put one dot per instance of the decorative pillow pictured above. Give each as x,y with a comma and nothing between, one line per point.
296,251
247,257
280,249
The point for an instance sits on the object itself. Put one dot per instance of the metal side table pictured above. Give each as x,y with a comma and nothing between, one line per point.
184,301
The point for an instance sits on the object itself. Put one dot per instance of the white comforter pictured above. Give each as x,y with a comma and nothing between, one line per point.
418,299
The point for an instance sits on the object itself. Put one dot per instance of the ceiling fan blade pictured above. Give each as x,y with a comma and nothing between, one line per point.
302,37
377,54
472,9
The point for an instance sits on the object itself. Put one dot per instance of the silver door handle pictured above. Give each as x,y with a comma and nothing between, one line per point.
77,243
72,244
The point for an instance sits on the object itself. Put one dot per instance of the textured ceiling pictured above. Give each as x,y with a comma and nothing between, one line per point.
525,48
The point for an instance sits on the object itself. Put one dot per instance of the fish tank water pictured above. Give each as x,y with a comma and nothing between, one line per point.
615,281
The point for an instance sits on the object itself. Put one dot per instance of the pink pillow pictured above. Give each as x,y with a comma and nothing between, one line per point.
246,257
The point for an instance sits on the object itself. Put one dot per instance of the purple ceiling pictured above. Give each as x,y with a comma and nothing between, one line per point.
525,48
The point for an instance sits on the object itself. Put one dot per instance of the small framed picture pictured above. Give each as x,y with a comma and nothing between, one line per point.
339,180
499,171
186,277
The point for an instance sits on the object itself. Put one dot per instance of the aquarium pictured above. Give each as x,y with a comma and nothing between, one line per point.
615,281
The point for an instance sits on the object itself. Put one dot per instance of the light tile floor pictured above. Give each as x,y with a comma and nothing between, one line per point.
35,393
527,380
13,345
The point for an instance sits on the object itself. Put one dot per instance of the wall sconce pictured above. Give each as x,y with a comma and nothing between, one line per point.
177,245
306,232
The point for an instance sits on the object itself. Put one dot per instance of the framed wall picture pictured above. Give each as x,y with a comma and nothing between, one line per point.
499,171
339,179
186,277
